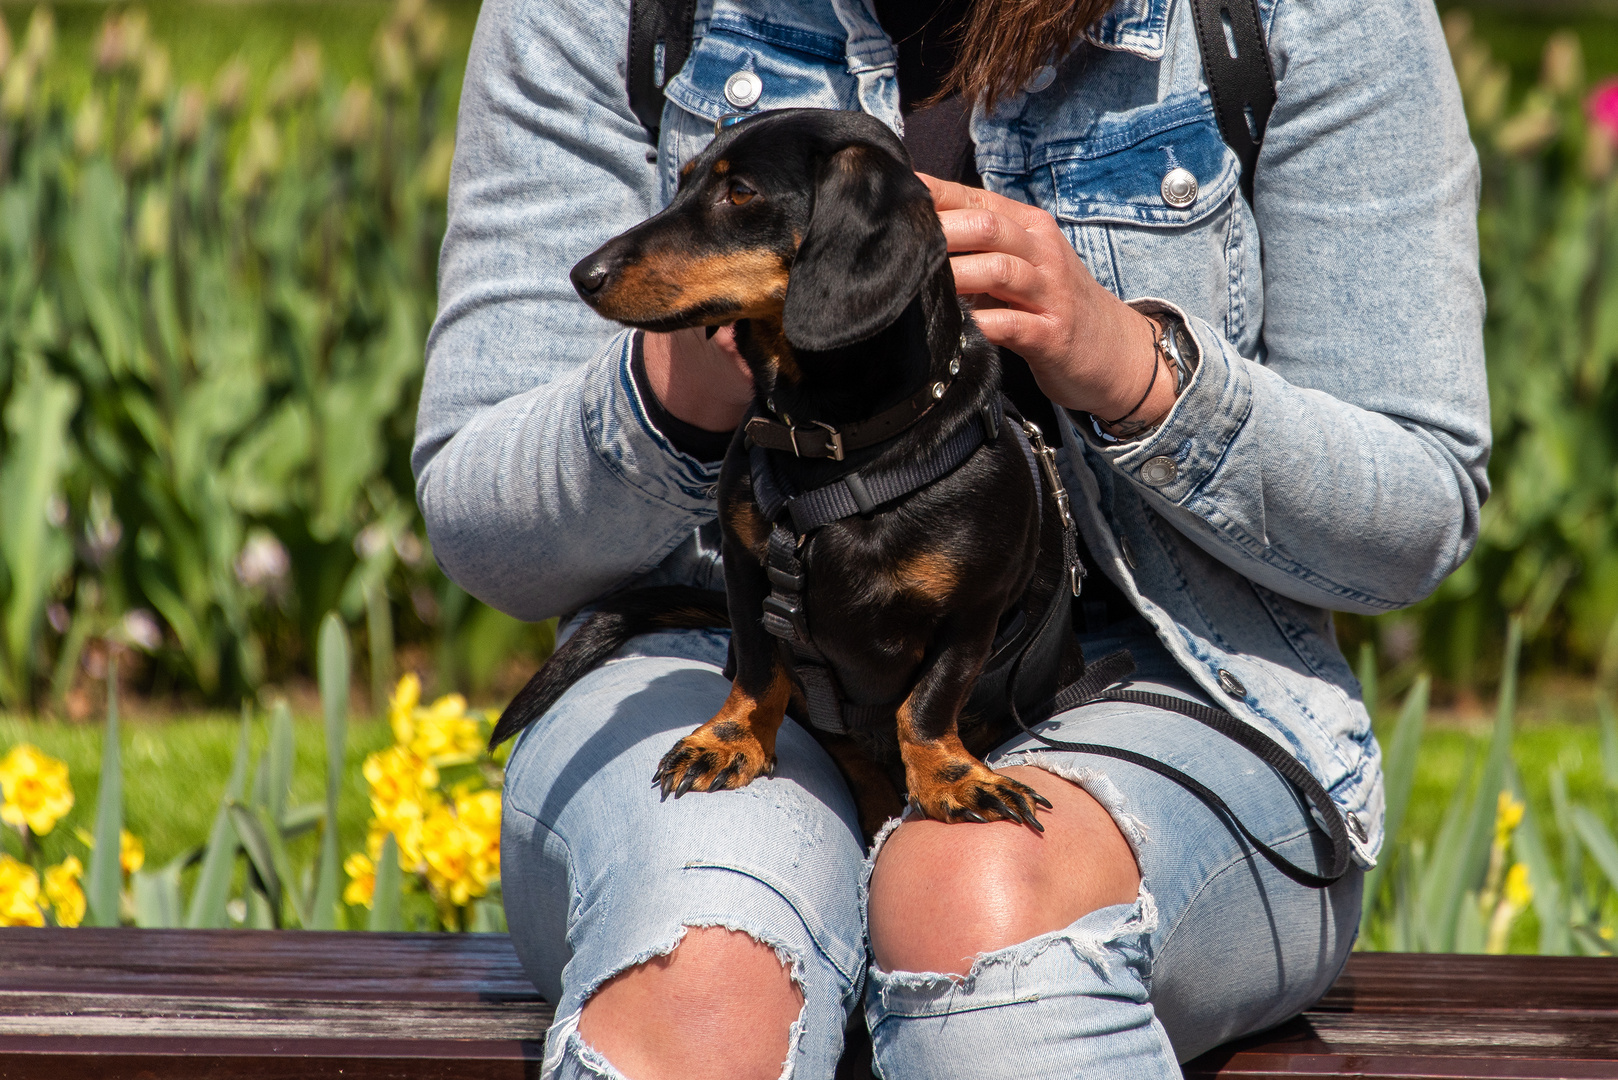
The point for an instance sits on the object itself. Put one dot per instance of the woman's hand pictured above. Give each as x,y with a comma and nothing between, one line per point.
699,379
1088,350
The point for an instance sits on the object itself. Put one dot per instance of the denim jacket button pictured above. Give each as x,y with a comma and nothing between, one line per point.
1041,79
1129,552
1179,188
1356,825
1159,471
743,89
1231,685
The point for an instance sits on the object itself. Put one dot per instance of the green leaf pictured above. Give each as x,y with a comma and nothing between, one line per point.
256,841
1472,858
1399,777
280,758
212,890
1440,869
1368,678
334,682
1549,903
387,900
1598,841
36,555
157,893
106,872
1609,742
300,819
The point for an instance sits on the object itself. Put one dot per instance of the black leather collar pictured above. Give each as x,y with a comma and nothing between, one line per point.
821,440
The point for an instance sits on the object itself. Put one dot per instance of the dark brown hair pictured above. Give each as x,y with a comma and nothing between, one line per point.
1003,42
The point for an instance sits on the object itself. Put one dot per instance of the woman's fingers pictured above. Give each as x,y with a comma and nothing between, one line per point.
1002,276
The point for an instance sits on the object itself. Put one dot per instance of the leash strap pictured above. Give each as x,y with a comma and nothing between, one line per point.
1241,84
1106,673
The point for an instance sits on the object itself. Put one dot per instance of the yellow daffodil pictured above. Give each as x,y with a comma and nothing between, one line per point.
361,880
131,852
1508,815
445,734
397,776
35,789
63,890
1519,892
402,708
19,894
479,814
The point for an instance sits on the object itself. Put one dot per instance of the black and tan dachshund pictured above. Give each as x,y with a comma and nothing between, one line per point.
808,230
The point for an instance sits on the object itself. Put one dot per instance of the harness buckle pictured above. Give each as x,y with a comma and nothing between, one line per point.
781,613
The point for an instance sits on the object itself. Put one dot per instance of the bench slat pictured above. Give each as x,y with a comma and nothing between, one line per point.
1410,1016
133,1004
256,1005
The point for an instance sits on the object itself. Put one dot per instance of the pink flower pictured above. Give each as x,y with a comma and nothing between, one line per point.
1602,106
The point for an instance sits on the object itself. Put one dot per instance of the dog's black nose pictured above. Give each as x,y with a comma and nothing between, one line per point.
589,275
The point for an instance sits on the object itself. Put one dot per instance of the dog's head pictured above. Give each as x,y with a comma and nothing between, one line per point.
810,219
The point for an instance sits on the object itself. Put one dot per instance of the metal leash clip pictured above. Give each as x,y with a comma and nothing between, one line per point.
1047,465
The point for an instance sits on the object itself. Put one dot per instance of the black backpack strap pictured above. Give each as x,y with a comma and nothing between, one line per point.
1242,86
659,42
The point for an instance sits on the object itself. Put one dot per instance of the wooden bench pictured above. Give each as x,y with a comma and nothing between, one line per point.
181,1004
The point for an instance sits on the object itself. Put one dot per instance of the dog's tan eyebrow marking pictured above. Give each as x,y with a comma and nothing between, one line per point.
685,170
721,167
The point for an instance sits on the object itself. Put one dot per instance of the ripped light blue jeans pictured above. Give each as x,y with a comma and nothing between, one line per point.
599,876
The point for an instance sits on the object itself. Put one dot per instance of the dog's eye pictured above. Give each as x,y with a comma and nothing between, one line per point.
740,193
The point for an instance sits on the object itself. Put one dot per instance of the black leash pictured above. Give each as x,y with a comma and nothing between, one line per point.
1110,670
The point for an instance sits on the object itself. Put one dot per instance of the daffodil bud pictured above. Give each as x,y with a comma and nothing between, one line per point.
155,76
190,112
351,125
230,87
89,123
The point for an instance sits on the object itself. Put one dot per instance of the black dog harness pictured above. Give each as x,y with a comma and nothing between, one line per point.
1021,671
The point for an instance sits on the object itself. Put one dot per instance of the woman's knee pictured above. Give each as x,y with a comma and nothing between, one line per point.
721,1004
942,894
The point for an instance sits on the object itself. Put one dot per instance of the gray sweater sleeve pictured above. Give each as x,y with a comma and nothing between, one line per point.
541,478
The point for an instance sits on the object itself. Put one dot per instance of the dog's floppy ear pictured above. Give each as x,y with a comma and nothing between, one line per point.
872,243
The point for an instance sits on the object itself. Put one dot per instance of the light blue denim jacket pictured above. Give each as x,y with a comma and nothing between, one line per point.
1328,454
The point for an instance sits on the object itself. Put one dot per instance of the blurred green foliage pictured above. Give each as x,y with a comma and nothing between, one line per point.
213,302
217,249
1497,842
1548,231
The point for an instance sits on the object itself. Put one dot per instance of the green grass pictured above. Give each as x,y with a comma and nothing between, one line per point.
175,772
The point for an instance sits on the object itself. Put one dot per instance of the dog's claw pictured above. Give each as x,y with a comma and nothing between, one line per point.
1043,801
973,815
686,783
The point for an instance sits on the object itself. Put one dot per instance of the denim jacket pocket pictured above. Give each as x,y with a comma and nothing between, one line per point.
794,68
1131,171
1122,196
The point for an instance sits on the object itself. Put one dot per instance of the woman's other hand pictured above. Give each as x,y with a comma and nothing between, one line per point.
699,379
1088,350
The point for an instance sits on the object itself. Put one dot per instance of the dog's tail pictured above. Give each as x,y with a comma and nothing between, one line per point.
619,618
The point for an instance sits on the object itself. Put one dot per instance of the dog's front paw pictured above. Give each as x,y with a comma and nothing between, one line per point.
961,788
717,756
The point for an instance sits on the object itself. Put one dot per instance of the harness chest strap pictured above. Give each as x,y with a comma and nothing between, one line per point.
784,612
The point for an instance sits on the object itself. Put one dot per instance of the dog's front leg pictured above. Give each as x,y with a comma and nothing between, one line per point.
738,744
945,780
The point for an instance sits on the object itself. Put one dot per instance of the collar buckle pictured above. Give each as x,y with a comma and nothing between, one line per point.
834,440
